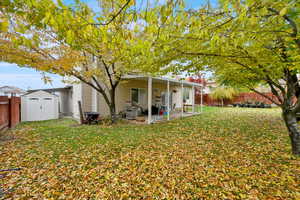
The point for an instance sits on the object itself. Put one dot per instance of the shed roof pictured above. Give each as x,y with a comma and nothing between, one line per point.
39,91
52,89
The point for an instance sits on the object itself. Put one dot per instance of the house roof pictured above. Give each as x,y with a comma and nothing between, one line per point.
11,89
163,79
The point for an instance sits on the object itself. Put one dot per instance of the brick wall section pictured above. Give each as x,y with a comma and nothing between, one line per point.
242,97
9,112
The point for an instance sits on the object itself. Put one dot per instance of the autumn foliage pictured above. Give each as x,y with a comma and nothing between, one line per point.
225,153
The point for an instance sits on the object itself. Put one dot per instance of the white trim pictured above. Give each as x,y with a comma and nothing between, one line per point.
168,100
184,82
149,100
182,97
201,106
193,99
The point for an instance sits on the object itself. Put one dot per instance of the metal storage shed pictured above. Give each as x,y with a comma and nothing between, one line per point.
38,106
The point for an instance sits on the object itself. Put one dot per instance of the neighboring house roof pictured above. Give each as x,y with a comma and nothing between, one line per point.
212,83
11,90
177,82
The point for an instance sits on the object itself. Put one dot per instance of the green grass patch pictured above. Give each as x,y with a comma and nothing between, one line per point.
223,153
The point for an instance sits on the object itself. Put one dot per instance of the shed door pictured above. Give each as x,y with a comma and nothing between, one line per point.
47,108
41,108
33,109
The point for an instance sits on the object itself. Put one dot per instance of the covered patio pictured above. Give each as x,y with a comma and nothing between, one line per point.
173,98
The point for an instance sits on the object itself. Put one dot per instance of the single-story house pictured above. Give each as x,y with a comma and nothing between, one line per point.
145,91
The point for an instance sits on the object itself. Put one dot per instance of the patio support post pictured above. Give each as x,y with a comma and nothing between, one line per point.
168,101
201,106
182,99
193,99
149,100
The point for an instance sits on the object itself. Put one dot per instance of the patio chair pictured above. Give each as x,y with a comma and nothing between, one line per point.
91,117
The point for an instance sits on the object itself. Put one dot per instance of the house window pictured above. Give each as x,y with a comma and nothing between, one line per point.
138,95
135,95
186,95
164,98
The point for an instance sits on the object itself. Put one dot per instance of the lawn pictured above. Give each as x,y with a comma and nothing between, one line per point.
224,153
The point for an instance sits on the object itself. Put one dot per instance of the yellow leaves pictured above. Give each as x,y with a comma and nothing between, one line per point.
253,21
211,156
4,24
70,36
283,11
131,3
47,17
4,3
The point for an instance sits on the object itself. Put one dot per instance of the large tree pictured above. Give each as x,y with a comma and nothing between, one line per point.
72,40
223,93
245,43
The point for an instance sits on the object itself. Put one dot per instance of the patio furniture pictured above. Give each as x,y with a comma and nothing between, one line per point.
186,107
91,117
268,106
132,112
298,117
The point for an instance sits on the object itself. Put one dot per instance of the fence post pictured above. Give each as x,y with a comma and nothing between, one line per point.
9,113
4,113
14,111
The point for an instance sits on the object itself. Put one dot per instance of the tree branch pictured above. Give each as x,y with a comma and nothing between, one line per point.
114,17
291,23
275,92
211,54
97,88
107,72
266,96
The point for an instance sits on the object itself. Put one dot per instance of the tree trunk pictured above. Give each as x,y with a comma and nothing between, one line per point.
112,105
290,120
113,114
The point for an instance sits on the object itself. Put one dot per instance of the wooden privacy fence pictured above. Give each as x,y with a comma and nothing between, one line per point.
9,112
240,98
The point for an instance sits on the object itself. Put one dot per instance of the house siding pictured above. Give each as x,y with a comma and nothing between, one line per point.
65,102
76,96
123,95
94,101
103,108
87,98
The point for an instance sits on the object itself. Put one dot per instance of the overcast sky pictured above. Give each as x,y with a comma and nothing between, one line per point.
25,78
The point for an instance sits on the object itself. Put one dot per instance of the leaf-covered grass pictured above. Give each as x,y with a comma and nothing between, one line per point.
224,153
